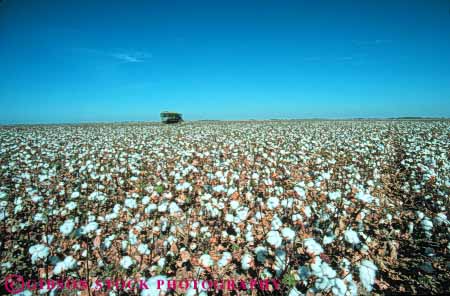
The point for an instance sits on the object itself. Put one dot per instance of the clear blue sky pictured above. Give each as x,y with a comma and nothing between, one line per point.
84,61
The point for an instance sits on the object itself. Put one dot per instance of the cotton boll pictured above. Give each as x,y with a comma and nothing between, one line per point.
145,200
130,203
274,238
150,208
143,249
38,251
307,211
234,204
288,233
280,261
367,272
242,213
420,215
246,259
364,197
229,218
162,262
152,284
273,203
261,254
334,195
206,260
328,239
351,237
427,226
225,259
440,219
410,227
297,217
249,237
126,262
339,287
276,223
295,292
174,208
67,227
312,247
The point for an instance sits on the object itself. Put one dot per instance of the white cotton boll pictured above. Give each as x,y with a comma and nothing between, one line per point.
272,202
162,262
274,238
440,219
246,259
287,203
38,251
67,227
145,200
249,237
71,205
420,215
219,188
334,195
152,284
163,207
231,191
90,227
367,272
352,287
410,227
59,267
36,198
427,226
206,260
143,249
297,217
150,208
117,208
242,213
229,218
339,287
295,292
280,261
234,204
345,264
258,215
288,233
276,223
308,212
328,239
312,247
39,217
364,197
75,194
98,196
130,203
351,237
174,208
301,192
261,254
225,259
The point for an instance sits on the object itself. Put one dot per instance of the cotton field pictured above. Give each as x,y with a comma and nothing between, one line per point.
330,207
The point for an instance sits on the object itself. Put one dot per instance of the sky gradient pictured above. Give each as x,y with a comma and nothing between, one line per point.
96,61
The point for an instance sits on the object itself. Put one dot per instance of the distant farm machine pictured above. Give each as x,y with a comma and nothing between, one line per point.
171,117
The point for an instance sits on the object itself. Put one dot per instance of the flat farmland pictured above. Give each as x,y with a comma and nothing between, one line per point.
332,207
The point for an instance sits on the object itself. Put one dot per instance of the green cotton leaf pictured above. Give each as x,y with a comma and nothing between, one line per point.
289,280
159,189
